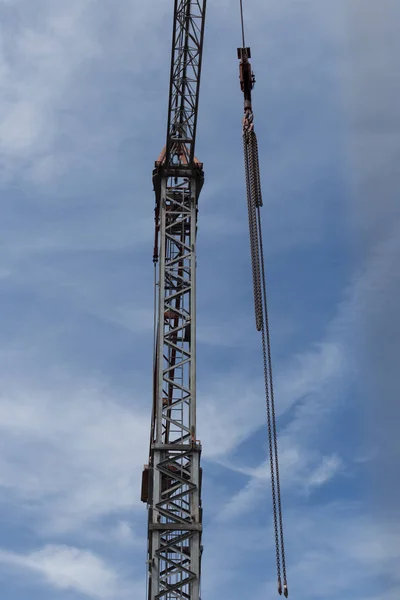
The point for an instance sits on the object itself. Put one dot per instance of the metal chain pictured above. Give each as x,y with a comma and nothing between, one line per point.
272,403
255,188
255,259
272,399
256,168
253,201
271,459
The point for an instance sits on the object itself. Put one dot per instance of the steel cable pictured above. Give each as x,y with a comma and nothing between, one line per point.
242,21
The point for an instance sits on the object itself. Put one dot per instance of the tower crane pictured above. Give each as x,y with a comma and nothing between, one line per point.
172,479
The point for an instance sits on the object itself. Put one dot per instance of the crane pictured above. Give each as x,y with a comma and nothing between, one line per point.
171,483
172,479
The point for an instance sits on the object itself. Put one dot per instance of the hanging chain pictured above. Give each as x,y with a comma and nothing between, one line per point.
254,202
254,246
271,460
267,355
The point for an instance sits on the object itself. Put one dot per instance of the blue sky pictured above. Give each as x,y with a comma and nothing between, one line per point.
82,119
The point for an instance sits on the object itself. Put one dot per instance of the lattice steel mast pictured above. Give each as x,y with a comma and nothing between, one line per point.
171,484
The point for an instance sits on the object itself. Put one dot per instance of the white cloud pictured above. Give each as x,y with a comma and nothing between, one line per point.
309,373
240,406
325,471
314,385
44,62
122,534
301,472
69,568
38,63
338,551
222,422
76,452
243,501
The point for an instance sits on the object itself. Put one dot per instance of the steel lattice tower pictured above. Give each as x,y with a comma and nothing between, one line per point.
171,484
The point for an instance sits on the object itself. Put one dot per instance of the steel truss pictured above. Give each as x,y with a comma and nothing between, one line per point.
172,480
186,59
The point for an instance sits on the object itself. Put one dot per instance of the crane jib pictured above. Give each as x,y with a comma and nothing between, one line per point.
186,63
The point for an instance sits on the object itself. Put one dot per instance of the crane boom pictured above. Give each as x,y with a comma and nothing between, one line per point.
171,483
186,60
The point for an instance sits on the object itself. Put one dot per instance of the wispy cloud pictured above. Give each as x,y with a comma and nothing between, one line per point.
47,70
81,454
314,387
301,473
68,568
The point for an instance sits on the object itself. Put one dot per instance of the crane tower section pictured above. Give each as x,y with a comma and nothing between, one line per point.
171,484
